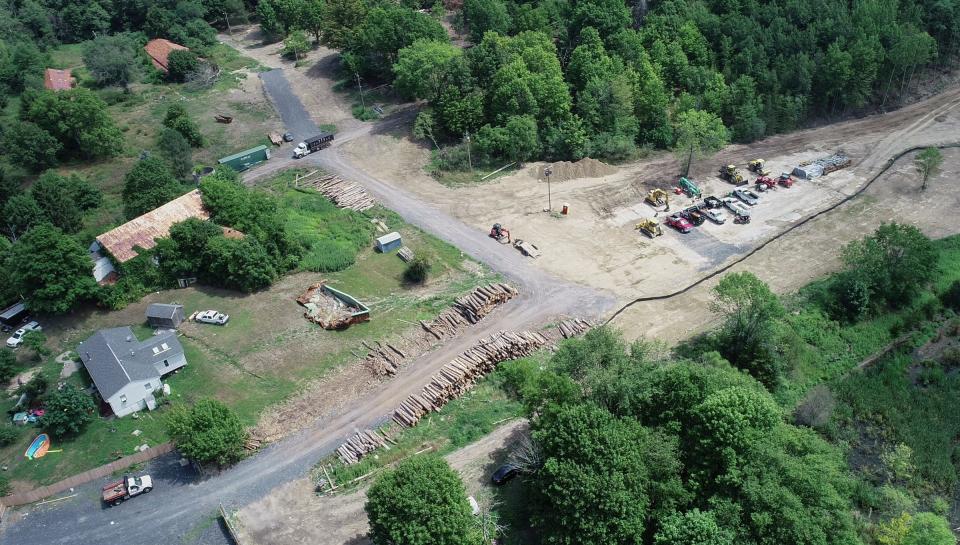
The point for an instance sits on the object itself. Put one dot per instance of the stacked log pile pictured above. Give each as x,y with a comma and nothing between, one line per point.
252,443
458,376
360,444
385,360
574,327
343,193
483,300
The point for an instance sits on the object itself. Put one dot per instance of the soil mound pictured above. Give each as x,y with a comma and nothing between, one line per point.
584,168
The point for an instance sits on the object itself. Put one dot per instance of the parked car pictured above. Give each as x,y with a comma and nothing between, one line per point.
212,317
748,197
736,207
679,223
716,216
288,137
504,473
16,339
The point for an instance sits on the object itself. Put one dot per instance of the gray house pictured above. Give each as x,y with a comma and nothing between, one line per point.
168,316
127,371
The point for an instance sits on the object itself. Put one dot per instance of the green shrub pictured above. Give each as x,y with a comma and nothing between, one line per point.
328,256
951,297
417,270
8,435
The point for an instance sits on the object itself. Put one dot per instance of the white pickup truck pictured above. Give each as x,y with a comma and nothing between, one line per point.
117,492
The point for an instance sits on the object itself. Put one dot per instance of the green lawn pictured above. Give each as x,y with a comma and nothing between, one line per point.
268,351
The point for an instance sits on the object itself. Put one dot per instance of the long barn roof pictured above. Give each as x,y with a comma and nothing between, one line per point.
144,230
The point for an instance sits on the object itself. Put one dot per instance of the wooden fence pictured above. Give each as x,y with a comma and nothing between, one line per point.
37,494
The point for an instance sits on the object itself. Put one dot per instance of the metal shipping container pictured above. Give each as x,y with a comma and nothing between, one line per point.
246,159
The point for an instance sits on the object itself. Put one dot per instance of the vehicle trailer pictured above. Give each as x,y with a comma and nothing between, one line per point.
117,492
312,144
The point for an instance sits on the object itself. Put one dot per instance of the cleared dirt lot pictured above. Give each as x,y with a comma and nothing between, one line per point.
597,245
293,514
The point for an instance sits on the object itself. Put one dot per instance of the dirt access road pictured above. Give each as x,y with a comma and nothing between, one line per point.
172,512
295,515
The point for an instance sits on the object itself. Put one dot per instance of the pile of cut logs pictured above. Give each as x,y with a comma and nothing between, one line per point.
574,327
483,300
359,445
458,376
343,193
383,358
252,443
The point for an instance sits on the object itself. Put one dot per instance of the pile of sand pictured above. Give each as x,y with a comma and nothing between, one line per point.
584,168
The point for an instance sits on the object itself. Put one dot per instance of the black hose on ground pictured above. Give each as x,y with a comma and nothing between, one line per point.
890,162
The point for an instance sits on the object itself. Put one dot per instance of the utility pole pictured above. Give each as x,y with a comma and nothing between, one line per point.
466,138
362,104
547,172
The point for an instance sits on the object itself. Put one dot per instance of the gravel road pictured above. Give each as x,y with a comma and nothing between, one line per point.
182,507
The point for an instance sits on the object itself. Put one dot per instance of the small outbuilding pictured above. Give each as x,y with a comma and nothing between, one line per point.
389,242
58,80
166,316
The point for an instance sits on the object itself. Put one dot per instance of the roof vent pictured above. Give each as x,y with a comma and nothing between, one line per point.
132,353
156,350
129,338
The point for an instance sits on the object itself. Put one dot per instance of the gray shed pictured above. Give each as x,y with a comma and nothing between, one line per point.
389,242
161,315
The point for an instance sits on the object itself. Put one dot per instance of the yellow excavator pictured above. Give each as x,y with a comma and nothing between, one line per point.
658,197
650,227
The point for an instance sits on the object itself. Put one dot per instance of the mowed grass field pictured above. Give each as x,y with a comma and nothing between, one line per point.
266,353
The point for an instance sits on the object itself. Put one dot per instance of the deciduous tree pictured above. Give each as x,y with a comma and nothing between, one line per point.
111,60
52,270
896,262
148,185
30,146
207,432
67,411
421,502
927,164
698,134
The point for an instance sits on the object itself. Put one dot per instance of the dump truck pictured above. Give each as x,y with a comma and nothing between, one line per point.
117,492
312,144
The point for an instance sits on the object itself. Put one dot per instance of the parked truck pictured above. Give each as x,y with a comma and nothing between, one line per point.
117,492
312,144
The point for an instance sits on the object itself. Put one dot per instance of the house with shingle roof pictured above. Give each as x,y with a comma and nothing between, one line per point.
127,371
159,51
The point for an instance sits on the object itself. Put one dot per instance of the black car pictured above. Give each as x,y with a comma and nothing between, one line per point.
504,473
288,137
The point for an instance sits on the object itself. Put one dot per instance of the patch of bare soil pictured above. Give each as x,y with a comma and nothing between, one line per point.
293,514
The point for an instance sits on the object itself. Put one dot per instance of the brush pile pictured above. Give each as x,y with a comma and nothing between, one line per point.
458,376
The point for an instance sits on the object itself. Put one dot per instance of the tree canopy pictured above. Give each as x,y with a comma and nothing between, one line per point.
50,269
208,432
420,502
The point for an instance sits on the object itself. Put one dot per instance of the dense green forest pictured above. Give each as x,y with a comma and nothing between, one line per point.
564,79
763,431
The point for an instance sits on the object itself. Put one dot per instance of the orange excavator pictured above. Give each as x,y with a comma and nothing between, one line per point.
500,233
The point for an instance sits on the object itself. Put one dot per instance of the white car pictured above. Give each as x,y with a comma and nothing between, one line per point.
16,339
212,317
714,215
736,207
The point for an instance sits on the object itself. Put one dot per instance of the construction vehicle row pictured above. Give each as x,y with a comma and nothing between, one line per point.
657,198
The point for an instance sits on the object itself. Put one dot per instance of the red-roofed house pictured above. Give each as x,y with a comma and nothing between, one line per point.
159,49
58,80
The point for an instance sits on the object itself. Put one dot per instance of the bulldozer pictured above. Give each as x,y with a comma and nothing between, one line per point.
500,233
650,227
757,166
658,197
731,174
690,188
